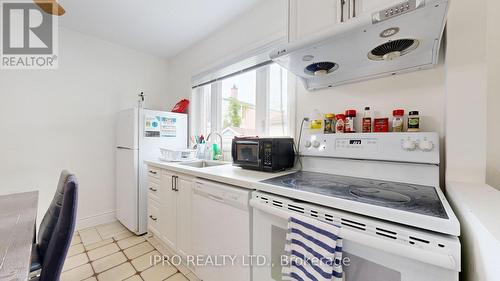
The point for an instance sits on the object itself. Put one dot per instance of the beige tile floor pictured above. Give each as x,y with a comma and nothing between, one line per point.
110,252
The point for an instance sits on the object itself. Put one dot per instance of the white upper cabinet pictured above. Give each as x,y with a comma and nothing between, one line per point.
308,17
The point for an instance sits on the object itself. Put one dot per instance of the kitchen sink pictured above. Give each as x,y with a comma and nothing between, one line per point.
203,163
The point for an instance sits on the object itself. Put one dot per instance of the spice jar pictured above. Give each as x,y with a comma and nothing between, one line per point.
340,125
413,121
381,125
398,120
329,123
350,119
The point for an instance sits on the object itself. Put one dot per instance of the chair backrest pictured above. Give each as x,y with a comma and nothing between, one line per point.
55,251
50,218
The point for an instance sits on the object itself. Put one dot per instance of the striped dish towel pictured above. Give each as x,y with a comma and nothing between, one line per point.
314,249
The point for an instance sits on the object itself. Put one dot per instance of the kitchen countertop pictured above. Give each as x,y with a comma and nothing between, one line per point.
228,174
477,205
477,200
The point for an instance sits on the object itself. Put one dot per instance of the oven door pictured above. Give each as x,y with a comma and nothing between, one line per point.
365,258
246,153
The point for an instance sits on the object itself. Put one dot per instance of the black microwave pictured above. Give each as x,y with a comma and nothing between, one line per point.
263,154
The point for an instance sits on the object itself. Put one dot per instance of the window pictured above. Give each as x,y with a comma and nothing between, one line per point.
239,105
253,103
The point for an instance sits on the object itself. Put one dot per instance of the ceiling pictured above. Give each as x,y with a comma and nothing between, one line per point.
159,27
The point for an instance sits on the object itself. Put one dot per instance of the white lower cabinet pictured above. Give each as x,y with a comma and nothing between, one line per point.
184,219
170,215
154,222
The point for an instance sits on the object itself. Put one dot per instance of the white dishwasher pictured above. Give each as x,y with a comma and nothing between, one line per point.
221,229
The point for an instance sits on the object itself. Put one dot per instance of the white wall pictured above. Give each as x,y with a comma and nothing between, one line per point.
493,98
64,118
466,92
263,24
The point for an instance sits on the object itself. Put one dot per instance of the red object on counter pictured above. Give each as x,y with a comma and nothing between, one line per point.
181,106
381,125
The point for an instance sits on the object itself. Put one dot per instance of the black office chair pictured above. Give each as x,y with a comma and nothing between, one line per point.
56,230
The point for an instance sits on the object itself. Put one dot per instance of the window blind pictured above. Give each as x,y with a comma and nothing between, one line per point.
249,61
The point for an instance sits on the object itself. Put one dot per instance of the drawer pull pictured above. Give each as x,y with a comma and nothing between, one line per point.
153,189
153,218
152,172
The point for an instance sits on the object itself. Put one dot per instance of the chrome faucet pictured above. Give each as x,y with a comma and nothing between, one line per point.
221,155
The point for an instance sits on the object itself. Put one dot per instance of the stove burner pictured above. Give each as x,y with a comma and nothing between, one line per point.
380,195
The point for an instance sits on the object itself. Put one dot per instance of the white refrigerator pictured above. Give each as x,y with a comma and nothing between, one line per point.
139,135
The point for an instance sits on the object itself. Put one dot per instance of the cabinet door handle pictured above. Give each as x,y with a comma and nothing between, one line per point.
152,172
153,189
176,183
173,183
153,218
354,8
342,4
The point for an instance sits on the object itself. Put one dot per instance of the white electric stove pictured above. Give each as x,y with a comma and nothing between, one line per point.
384,191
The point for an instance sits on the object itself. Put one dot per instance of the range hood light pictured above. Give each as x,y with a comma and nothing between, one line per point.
320,72
392,55
308,58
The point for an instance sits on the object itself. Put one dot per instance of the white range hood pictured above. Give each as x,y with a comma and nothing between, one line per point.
391,40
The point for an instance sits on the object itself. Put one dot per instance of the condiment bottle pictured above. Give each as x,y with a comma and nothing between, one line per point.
367,121
329,123
381,125
413,121
316,122
398,120
340,125
350,119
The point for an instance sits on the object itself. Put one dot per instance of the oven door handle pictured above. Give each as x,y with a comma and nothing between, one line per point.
433,258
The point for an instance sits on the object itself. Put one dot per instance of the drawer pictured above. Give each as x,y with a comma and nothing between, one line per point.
154,191
154,180
154,173
154,216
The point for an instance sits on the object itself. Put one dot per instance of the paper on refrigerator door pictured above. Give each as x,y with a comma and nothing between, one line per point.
168,127
152,126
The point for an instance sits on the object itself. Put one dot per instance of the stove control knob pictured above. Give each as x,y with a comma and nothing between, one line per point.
425,145
316,144
308,144
409,145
